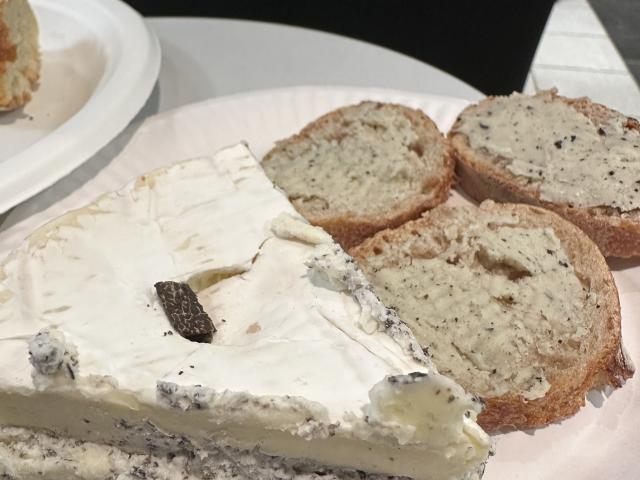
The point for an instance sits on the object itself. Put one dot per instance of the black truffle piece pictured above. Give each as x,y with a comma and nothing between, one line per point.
185,313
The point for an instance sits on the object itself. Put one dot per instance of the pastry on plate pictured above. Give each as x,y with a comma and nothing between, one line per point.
19,53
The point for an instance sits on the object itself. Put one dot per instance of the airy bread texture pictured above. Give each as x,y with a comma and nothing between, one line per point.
512,301
363,168
577,158
19,53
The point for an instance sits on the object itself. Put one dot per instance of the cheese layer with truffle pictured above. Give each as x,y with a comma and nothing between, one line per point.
305,362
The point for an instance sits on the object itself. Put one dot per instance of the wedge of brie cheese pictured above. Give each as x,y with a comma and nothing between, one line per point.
305,368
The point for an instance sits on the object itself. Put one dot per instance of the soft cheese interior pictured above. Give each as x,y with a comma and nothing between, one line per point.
305,364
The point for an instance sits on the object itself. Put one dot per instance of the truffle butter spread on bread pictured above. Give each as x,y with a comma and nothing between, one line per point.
19,53
513,301
363,168
577,158
195,314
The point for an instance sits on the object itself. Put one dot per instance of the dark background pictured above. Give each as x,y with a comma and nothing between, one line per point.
488,44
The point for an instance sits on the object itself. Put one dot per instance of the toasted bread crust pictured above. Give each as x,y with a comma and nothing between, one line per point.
350,230
615,235
606,365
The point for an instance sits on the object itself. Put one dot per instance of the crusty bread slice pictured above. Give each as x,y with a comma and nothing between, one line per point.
363,168
19,53
577,158
515,303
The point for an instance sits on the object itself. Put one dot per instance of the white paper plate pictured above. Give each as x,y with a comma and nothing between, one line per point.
99,64
601,442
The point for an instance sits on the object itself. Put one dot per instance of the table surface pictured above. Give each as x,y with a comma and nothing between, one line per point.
205,58
576,56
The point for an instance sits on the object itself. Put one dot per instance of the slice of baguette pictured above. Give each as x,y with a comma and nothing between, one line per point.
604,157
515,303
19,54
363,168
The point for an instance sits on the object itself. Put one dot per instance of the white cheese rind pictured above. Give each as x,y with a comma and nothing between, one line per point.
288,369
